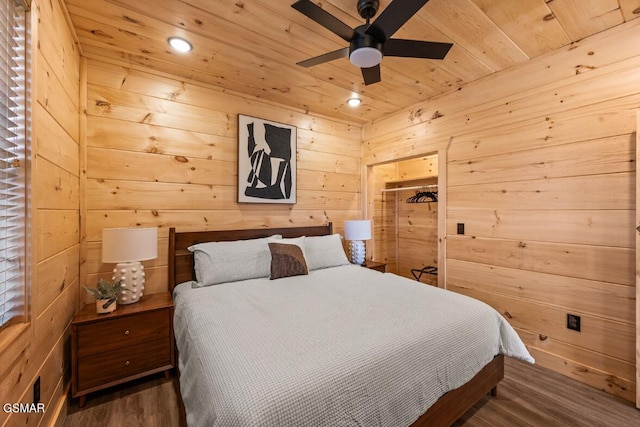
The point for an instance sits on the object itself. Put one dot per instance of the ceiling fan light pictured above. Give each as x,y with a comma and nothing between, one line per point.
354,102
180,45
365,57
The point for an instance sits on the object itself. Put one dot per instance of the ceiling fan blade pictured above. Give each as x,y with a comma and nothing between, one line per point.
324,18
330,56
416,49
371,75
393,17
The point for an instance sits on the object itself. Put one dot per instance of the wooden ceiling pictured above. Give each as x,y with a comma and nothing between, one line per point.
252,46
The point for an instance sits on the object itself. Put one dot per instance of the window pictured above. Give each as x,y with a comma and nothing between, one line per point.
13,139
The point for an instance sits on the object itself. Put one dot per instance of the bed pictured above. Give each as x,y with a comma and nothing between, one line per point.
340,345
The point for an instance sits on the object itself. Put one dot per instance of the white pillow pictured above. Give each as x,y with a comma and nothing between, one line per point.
324,251
220,262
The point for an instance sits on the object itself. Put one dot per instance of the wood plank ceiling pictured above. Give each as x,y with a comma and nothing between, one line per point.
252,46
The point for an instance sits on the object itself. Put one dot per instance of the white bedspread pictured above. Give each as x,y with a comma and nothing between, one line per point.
343,346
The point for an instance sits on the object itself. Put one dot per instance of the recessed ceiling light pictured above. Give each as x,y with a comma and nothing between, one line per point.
179,44
354,102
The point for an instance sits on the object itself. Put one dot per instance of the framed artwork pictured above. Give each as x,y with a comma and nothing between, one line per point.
266,161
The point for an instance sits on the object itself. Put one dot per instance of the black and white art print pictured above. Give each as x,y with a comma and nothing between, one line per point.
266,161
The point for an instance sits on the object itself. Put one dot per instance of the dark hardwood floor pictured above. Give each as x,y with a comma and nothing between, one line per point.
531,395
148,402
528,396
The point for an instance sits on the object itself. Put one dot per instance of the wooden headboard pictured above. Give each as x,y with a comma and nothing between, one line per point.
181,259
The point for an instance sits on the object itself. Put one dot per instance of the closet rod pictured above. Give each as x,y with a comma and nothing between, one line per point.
417,187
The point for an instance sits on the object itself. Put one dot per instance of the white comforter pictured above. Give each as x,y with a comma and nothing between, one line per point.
343,346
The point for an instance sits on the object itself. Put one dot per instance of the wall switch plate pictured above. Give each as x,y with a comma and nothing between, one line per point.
36,391
460,228
573,322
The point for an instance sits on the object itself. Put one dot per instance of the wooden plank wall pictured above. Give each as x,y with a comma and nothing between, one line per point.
163,152
43,348
382,212
637,278
541,170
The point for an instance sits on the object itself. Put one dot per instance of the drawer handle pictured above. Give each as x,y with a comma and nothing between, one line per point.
127,363
126,332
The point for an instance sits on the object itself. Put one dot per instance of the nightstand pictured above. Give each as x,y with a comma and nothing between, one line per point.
109,349
374,265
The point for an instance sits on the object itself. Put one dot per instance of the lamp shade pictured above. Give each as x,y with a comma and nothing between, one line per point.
129,244
357,229
365,57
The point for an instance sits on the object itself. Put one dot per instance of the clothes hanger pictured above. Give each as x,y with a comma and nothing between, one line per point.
423,197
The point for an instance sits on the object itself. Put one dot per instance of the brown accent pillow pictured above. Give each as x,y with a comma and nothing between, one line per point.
287,260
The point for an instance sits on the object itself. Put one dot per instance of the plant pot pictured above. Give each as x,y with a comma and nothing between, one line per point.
106,305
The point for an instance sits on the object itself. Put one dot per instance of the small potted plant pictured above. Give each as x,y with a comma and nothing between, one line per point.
106,294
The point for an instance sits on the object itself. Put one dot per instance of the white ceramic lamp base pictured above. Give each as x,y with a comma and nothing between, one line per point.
357,252
131,276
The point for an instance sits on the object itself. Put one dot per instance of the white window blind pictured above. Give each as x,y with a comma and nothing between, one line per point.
13,54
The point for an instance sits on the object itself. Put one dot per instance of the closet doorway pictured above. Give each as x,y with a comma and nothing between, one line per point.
406,206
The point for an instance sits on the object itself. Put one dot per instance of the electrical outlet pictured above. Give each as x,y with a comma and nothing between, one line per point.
573,322
460,228
36,391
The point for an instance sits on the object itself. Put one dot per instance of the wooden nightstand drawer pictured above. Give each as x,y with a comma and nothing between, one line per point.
114,365
109,349
130,330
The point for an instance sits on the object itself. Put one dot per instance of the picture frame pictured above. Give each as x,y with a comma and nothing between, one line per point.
267,166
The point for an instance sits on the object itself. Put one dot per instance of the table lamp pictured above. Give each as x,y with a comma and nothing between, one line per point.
127,247
356,231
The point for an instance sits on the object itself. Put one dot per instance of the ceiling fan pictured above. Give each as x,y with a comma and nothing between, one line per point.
370,41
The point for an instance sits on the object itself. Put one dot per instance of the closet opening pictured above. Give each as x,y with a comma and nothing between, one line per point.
404,200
